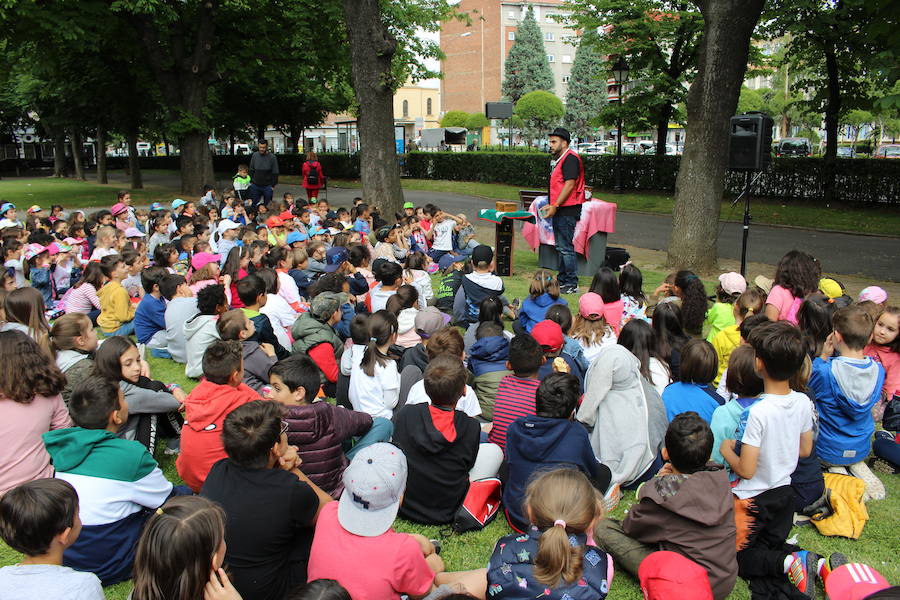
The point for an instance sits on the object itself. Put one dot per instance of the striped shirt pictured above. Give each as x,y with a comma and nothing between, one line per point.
515,398
82,299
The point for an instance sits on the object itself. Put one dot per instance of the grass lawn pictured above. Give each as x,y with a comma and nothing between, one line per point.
877,547
72,193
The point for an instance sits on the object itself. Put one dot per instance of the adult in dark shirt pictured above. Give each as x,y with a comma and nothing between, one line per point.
566,198
263,174
270,505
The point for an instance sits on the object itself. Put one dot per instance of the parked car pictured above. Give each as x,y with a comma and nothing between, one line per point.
846,152
670,150
793,147
888,151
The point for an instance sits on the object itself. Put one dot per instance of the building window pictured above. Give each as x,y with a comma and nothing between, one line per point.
548,37
566,79
405,108
512,36
550,58
428,106
566,58
512,15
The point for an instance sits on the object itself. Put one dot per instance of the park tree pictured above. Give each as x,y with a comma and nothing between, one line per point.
477,121
659,40
454,118
526,68
541,111
586,94
712,100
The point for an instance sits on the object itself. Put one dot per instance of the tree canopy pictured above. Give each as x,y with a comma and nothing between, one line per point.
527,68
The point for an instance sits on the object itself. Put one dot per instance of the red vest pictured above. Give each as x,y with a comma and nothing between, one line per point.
557,181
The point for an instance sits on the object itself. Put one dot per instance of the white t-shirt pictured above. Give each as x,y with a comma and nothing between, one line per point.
376,395
592,351
282,317
287,288
443,235
468,403
774,425
25,582
351,357
380,297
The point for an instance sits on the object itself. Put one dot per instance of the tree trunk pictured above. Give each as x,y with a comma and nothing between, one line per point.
60,168
166,144
372,46
712,100
78,155
231,140
662,129
134,162
832,115
196,164
101,156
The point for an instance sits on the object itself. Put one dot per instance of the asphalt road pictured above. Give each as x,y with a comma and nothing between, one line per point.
848,254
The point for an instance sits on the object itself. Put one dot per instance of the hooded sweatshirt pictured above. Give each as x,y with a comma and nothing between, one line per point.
116,480
256,365
692,515
205,410
534,310
846,389
534,443
440,447
146,397
199,332
487,361
77,366
178,311
475,288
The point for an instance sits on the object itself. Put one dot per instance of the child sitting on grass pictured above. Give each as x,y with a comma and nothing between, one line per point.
721,314
116,310
117,480
515,394
40,519
693,391
319,429
258,358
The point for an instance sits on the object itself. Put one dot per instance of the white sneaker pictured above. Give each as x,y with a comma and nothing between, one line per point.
874,487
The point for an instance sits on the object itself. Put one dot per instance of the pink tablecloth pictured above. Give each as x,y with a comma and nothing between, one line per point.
596,215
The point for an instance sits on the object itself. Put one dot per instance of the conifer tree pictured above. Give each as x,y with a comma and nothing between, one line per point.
587,88
526,67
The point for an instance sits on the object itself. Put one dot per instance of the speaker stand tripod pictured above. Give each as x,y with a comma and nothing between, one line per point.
745,234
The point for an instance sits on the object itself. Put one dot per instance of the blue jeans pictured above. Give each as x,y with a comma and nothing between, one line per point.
564,232
256,191
381,431
437,254
126,329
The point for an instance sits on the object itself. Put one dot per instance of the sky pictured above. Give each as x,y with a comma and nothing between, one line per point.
434,65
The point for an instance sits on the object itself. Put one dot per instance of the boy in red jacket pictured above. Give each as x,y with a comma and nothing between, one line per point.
220,391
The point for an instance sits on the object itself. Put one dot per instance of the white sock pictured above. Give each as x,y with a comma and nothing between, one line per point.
788,561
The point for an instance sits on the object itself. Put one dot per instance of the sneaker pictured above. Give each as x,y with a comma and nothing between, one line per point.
437,546
803,571
884,435
569,289
881,465
834,561
611,498
874,488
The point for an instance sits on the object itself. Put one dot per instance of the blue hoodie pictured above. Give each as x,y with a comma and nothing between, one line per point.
533,443
489,354
846,389
534,309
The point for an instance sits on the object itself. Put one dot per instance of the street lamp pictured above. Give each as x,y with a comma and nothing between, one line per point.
620,75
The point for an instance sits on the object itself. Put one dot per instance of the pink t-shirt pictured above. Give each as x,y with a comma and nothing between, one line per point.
787,305
24,457
370,568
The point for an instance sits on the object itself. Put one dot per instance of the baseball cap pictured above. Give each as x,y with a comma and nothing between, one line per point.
296,236
374,483
408,205
274,221
324,304
873,293
448,259
201,259
382,233
36,209
830,288
429,320
315,230
668,575
226,225
590,306
286,215
764,283
156,206
73,241
6,206
54,249
333,230
117,208
733,283
33,250
482,254
178,202
335,257
134,232
548,334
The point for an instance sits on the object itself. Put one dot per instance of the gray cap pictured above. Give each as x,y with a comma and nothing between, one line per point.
324,305
374,483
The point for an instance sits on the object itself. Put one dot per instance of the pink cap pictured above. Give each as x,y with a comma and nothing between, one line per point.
53,249
201,259
118,208
733,283
873,293
591,306
134,232
73,241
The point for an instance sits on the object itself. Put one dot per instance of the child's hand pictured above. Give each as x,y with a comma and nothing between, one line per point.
268,349
828,346
290,460
179,394
219,587
145,368
664,289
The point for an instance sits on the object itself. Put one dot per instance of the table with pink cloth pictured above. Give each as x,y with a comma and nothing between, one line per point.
597,216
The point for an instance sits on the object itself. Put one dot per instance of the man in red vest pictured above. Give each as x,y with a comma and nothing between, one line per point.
566,198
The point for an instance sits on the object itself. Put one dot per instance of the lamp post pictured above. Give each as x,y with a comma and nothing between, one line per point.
620,75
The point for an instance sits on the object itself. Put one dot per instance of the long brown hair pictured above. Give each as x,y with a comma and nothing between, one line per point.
66,328
25,371
173,559
560,502
544,281
382,325
25,306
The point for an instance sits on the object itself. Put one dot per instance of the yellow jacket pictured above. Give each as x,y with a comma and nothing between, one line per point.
725,341
115,307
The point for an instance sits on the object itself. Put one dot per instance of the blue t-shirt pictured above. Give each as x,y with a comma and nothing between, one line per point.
682,397
149,318
361,226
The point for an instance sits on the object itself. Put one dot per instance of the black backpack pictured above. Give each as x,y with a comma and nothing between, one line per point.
312,176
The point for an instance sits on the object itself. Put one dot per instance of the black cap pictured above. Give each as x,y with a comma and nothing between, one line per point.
482,255
563,133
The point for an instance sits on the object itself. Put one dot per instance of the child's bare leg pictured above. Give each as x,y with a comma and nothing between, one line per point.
474,582
424,543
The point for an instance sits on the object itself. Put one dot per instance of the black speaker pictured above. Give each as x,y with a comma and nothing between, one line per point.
504,241
498,110
750,142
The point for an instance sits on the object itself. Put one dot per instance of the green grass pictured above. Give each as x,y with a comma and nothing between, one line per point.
72,193
877,547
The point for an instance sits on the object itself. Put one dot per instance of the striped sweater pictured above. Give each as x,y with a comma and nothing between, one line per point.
515,398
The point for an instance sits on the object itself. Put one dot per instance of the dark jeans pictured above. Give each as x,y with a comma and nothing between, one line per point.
564,232
257,191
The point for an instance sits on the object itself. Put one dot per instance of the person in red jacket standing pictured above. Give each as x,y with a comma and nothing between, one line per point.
566,198
313,177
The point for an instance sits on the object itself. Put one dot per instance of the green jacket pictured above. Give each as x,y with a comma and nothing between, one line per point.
309,332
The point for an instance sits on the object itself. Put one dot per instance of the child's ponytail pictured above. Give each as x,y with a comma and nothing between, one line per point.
65,329
561,503
382,325
544,282
693,301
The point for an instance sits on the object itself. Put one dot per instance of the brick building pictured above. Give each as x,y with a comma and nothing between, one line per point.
475,54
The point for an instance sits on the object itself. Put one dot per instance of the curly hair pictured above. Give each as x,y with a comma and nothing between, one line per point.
25,371
693,301
799,273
